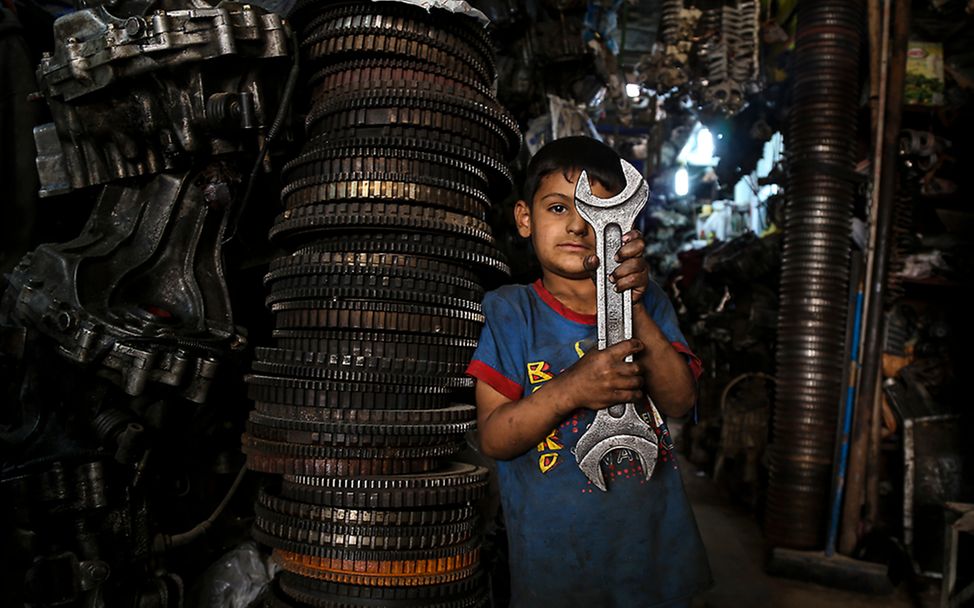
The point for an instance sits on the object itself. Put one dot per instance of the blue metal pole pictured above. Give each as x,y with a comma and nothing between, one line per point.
846,427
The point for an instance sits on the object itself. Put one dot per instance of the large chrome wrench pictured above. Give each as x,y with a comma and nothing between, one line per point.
618,426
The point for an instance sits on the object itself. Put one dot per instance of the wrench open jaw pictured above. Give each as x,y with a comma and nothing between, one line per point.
618,426
608,433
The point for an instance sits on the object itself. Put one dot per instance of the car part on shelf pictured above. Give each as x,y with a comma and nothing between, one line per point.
712,53
140,295
126,326
147,94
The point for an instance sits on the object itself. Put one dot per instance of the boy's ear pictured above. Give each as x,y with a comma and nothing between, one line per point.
522,218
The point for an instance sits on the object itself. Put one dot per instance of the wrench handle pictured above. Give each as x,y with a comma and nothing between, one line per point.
614,308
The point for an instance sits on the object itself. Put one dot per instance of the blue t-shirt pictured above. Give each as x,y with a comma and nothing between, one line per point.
571,544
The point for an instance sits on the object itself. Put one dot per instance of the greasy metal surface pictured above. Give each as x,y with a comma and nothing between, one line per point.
619,426
316,591
272,506
140,293
151,93
453,484
399,573
814,276
483,259
376,309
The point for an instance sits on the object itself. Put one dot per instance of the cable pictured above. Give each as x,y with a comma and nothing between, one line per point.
164,542
289,86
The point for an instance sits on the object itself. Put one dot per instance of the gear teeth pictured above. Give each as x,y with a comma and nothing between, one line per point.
457,484
464,593
295,588
488,164
417,108
430,572
415,568
311,372
281,532
431,296
289,459
350,435
345,215
355,344
391,73
351,453
489,159
374,289
392,17
484,257
341,262
299,271
447,415
344,395
325,187
376,310
370,364
349,44
341,439
326,38
386,164
371,316
362,517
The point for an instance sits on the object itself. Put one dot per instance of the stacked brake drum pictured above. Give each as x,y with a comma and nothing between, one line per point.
377,311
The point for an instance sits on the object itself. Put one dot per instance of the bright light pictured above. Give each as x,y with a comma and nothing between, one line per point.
633,90
699,149
705,144
681,182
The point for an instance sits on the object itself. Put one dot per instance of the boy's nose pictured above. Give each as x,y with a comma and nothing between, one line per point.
576,225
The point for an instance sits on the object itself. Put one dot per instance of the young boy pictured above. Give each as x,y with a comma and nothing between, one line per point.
571,544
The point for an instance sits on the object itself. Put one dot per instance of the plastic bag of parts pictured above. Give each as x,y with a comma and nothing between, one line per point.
235,580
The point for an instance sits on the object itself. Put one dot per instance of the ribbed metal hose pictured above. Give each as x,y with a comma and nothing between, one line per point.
821,143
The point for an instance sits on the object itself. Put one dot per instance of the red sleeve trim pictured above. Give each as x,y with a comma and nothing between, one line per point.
696,365
496,380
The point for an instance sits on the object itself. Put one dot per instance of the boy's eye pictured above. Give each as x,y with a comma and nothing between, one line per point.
558,208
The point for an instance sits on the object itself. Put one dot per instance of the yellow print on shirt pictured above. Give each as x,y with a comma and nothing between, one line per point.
549,451
538,372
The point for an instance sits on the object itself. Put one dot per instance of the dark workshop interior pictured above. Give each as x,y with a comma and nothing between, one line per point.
244,249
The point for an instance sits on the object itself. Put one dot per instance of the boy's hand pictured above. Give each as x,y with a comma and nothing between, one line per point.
633,271
603,377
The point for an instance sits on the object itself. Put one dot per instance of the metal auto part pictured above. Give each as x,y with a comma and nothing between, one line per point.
709,51
124,104
415,568
815,272
140,294
324,593
619,426
125,326
376,307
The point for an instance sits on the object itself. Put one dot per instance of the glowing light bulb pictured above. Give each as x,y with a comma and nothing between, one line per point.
681,182
705,144
632,90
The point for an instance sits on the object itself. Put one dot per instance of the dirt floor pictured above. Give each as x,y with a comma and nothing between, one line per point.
737,556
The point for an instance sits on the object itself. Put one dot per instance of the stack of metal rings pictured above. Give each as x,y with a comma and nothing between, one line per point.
821,189
377,311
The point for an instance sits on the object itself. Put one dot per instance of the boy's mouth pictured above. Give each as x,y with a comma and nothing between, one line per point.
574,246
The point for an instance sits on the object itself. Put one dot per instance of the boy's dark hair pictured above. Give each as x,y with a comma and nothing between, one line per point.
570,154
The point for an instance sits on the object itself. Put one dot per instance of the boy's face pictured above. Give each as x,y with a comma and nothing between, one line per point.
561,238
